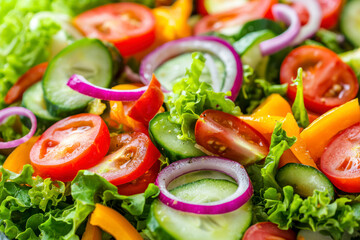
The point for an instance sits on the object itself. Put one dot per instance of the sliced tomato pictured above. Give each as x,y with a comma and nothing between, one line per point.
268,231
340,160
230,137
32,76
328,81
330,9
129,26
130,156
238,16
74,143
140,184
148,105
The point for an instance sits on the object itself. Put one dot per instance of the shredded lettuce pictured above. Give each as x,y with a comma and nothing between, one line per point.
190,98
44,209
254,90
298,107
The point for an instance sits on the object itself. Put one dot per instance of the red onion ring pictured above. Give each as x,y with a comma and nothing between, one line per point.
7,112
214,45
287,14
231,168
81,85
309,29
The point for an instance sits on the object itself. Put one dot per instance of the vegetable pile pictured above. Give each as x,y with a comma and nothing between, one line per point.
149,119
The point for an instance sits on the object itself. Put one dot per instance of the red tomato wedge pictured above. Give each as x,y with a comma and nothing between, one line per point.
340,160
32,76
148,105
331,10
238,16
129,26
74,143
230,137
140,184
328,81
130,156
268,231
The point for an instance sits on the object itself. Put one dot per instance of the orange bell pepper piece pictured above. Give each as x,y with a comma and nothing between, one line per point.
274,105
263,124
319,133
114,223
171,22
91,232
287,157
299,149
20,156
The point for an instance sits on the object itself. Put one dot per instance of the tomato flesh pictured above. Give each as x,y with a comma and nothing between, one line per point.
268,231
130,156
340,161
328,81
72,144
230,137
238,16
129,26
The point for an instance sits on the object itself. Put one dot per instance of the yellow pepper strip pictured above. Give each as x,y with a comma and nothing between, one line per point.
299,149
263,124
319,133
171,22
91,232
20,156
114,223
274,105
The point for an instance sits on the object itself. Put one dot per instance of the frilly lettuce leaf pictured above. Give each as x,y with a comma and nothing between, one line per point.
36,208
298,107
190,98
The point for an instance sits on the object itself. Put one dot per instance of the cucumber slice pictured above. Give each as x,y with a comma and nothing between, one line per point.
87,57
174,69
304,179
353,59
33,99
163,134
248,48
167,223
350,22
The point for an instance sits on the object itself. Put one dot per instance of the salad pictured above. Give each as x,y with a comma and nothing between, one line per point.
208,119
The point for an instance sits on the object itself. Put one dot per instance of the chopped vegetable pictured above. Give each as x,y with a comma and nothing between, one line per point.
298,107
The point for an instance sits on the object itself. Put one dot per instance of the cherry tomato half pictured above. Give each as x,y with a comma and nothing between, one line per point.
240,15
74,143
268,231
328,81
230,137
130,156
340,160
140,184
129,26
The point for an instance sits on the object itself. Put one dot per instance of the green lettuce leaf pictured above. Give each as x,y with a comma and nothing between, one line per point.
298,107
254,91
36,208
315,213
190,98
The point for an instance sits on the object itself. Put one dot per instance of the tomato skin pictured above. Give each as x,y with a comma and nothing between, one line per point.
148,105
32,76
230,137
328,81
72,144
268,231
130,156
129,26
339,161
249,11
140,184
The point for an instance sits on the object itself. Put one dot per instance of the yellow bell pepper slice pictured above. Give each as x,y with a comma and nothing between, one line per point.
91,232
274,105
113,223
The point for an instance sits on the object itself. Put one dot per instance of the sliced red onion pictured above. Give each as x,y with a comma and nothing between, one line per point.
81,85
313,24
226,166
288,15
7,112
213,45
131,76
